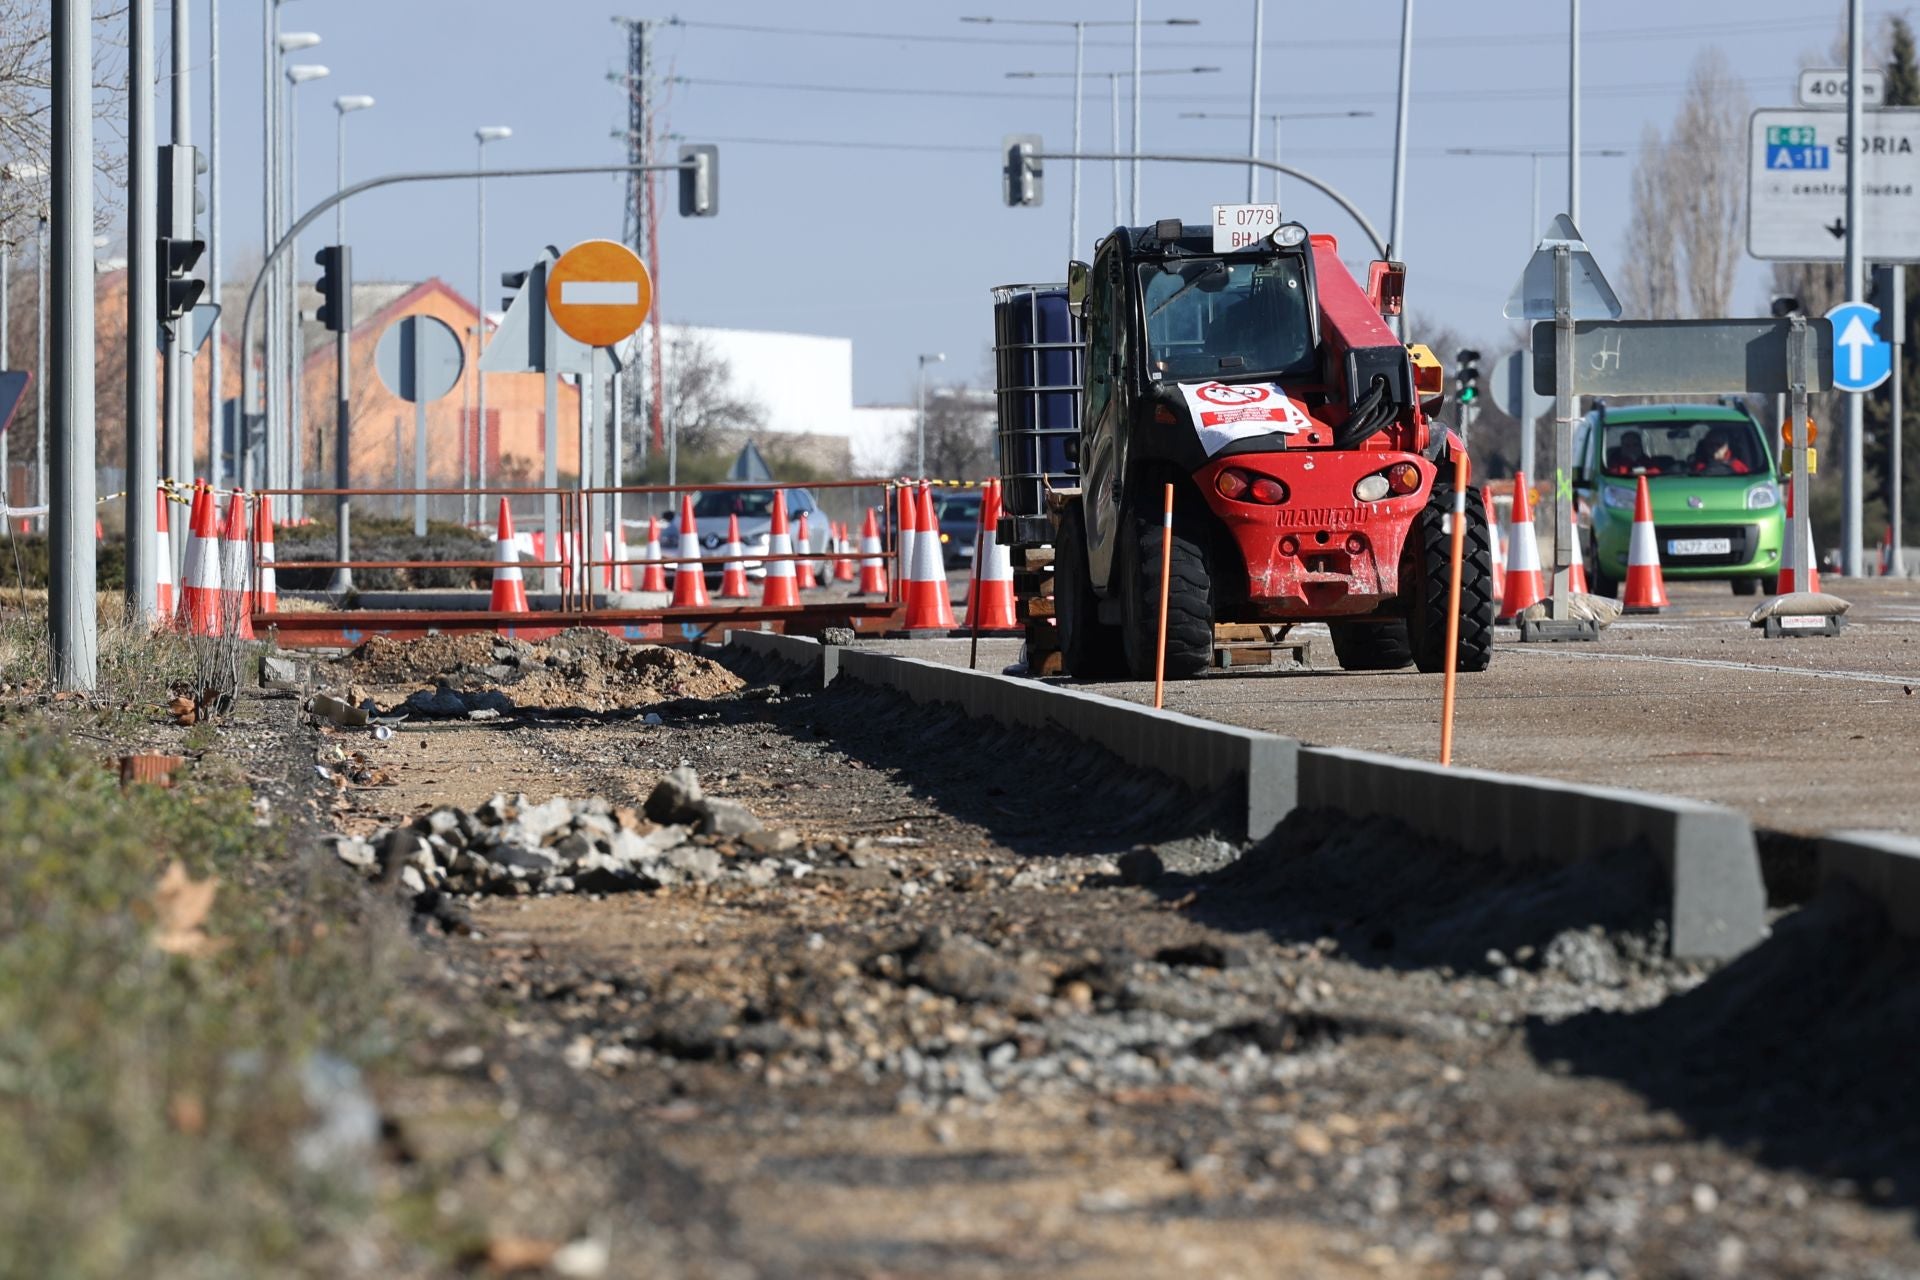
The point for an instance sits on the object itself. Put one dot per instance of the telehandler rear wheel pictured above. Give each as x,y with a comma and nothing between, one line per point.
1433,565
1371,646
1089,648
1189,599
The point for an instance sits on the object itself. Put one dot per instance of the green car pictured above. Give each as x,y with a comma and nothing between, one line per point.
1717,510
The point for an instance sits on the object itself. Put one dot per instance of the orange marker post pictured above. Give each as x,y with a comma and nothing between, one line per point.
1456,556
1166,571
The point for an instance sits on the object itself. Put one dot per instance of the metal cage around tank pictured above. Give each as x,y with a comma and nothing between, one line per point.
1038,346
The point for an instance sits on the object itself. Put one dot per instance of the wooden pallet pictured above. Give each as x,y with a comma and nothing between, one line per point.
1238,644
1033,606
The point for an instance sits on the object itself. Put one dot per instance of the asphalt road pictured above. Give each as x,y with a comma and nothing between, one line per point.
1805,735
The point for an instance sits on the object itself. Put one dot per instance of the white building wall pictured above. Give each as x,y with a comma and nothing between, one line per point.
881,434
804,381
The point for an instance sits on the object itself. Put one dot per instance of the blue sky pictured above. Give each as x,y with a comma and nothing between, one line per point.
896,241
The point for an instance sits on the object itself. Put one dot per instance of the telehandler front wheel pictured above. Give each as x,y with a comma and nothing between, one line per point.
1089,648
1189,599
1433,569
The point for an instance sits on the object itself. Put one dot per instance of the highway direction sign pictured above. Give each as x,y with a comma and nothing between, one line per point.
1683,357
1532,299
1797,185
1826,87
599,292
1861,361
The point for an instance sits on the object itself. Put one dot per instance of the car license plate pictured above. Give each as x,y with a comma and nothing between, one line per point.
1699,546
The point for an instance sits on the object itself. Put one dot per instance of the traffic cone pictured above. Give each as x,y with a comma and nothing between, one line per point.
873,565
509,588
909,519
163,555
990,603
1498,539
928,606
266,598
843,561
1787,580
1646,587
1523,556
689,576
803,543
200,576
733,581
653,577
779,591
1577,567
617,573
236,567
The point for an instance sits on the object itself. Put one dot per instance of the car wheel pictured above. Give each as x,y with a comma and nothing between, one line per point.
1746,586
1089,648
1602,585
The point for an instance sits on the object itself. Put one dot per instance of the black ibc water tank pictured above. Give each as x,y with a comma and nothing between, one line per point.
1037,349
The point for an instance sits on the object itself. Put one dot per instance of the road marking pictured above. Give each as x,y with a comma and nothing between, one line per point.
1865,677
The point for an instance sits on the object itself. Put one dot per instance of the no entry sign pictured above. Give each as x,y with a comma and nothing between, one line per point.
599,292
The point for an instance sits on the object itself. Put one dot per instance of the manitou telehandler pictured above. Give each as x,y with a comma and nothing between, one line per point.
1311,483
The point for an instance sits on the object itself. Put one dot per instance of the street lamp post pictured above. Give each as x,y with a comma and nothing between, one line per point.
1113,98
275,466
297,75
1274,117
1079,76
920,411
342,344
481,137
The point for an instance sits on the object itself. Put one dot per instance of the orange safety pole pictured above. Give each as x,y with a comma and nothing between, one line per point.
1456,556
1166,572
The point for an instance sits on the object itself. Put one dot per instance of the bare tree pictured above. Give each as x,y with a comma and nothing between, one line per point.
1651,283
700,396
959,435
1707,194
26,110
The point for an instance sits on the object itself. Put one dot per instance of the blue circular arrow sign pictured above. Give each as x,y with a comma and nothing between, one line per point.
1861,361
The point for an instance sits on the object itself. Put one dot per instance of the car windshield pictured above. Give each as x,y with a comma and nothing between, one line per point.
746,503
1220,318
956,506
1680,448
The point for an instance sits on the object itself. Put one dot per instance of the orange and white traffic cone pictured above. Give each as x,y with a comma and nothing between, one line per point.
1577,567
929,608
1788,583
163,557
653,576
903,544
779,591
509,588
236,568
1523,556
1498,538
689,576
1646,590
733,580
623,558
803,543
266,596
990,603
843,561
200,576
873,565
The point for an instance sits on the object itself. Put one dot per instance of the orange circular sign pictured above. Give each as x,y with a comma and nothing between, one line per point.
1813,431
599,292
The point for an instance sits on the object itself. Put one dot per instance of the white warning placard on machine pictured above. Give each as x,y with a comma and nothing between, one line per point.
1239,226
1225,412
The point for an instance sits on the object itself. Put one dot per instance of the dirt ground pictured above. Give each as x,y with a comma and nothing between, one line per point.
974,1027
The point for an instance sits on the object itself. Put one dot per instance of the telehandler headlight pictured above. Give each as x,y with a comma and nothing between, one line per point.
1372,488
1290,235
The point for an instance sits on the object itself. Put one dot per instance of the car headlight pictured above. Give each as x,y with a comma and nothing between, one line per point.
1618,497
1763,496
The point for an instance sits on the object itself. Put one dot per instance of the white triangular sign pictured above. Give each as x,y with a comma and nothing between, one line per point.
1532,298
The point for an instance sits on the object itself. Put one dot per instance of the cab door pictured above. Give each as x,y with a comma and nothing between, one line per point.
1104,401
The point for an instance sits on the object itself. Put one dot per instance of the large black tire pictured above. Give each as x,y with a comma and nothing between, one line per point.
1433,570
1371,646
1089,648
1189,598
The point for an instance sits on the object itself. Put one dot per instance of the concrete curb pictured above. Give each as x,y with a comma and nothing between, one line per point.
1718,903
1884,866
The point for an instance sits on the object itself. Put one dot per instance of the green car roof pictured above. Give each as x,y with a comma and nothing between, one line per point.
1657,412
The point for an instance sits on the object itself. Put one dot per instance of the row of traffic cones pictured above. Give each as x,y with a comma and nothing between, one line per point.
217,591
1645,589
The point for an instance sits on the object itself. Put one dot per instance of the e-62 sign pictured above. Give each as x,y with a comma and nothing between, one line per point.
1797,185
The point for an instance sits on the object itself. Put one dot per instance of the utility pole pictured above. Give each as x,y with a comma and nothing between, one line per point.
1396,233
1853,480
71,608
481,137
1573,111
142,459
1253,110
178,392
1897,460
297,75
1135,188
216,359
42,244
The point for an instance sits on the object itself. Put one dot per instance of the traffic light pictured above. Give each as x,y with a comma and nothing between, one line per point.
699,181
336,287
1466,376
178,293
1021,178
180,203
514,280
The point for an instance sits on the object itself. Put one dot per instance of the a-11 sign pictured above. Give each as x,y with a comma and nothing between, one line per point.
1797,185
1825,87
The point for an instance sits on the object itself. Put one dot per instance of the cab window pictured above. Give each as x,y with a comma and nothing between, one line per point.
1216,318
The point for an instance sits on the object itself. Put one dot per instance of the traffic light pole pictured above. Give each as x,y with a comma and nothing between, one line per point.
143,283
247,377
178,394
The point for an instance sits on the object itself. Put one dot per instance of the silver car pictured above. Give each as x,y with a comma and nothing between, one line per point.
754,508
